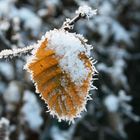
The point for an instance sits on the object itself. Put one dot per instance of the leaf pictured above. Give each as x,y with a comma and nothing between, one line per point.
64,98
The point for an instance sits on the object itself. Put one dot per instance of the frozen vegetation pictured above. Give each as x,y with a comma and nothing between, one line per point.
114,32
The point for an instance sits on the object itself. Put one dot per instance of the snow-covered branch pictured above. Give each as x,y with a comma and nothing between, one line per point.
9,53
82,12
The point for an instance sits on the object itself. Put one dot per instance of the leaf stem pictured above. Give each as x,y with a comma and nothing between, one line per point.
69,23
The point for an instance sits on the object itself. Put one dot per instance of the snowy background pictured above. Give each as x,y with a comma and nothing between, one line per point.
114,112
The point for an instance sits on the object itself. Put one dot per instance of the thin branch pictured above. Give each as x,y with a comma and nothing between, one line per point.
82,12
68,24
8,53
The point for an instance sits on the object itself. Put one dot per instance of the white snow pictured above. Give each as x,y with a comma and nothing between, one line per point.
86,11
106,26
121,34
31,20
68,47
106,8
31,111
112,103
116,72
4,25
4,121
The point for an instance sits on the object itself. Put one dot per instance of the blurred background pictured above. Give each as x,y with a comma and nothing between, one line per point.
114,112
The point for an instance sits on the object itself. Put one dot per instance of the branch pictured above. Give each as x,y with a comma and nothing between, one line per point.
8,53
68,24
83,13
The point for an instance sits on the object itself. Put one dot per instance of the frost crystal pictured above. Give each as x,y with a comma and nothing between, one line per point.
68,47
86,11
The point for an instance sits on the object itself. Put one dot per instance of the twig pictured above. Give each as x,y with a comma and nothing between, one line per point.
68,24
8,53
82,13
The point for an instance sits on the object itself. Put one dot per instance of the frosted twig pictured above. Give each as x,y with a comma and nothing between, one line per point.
68,24
9,53
82,12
